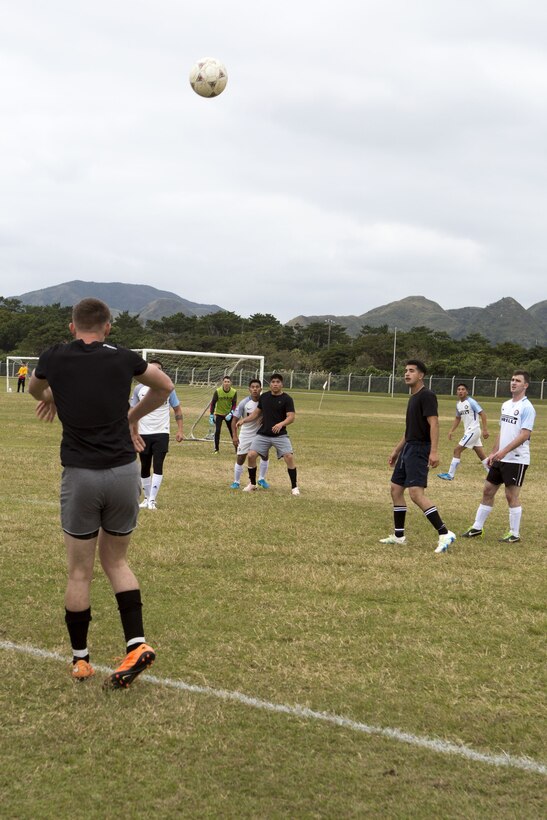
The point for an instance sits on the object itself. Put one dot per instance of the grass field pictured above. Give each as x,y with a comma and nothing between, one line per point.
291,602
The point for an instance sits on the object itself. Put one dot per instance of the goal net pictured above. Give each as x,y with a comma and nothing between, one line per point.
13,363
196,376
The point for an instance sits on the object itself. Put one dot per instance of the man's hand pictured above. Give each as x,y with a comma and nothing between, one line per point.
433,459
46,410
179,436
485,434
277,428
393,458
450,436
138,441
240,422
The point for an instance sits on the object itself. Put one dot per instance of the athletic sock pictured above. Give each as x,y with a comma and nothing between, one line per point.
292,475
146,484
238,472
77,624
432,515
263,469
130,606
399,515
484,463
156,484
252,474
482,514
515,514
454,464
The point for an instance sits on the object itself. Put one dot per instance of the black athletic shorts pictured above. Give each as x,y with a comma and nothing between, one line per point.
155,443
412,465
507,472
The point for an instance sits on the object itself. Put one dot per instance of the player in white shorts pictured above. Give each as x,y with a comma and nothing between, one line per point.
509,459
242,439
473,416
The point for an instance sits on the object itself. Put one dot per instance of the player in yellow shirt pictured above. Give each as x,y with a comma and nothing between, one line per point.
22,374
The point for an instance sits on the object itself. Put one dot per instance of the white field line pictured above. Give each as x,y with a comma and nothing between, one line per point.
432,744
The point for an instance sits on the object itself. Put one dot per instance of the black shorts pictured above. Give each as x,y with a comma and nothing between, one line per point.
412,465
507,472
155,443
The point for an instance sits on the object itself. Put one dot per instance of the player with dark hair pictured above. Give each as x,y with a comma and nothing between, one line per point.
87,383
22,374
276,411
509,459
243,442
473,416
221,408
412,457
154,431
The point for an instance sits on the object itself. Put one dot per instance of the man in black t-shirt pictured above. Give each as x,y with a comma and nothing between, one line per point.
412,457
276,409
87,383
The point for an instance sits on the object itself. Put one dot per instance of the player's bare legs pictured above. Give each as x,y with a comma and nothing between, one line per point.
80,561
113,557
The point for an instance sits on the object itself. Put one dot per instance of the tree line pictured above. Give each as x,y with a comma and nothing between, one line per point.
27,330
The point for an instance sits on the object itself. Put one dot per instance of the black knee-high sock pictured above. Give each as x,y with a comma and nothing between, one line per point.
292,475
252,474
435,520
130,606
77,624
399,515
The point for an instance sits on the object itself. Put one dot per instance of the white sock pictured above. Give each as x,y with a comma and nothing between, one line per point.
155,488
146,484
263,469
453,467
238,472
515,514
484,463
482,514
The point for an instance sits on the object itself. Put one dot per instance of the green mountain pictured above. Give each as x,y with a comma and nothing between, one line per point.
144,300
502,321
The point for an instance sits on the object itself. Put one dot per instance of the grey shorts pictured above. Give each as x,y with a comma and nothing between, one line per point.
262,444
91,499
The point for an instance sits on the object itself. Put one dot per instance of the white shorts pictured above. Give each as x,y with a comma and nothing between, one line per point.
244,445
471,439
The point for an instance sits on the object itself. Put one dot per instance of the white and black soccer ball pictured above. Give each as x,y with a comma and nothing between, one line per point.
208,77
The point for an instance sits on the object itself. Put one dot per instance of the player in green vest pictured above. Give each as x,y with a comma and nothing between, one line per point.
224,401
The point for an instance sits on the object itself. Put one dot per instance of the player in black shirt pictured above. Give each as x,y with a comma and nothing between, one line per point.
87,383
412,457
277,411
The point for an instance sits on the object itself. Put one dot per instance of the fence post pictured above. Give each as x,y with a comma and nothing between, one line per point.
292,376
369,378
452,386
176,375
496,388
209,377
389,384
473,386
328,381
541,391
309,381
349,382
430,381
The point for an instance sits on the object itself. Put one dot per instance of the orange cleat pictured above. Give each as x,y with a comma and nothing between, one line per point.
81,670
132,665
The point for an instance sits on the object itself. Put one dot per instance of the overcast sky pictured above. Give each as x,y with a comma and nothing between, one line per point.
362,151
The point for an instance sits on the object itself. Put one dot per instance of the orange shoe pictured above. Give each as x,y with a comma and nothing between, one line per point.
81,670
132,665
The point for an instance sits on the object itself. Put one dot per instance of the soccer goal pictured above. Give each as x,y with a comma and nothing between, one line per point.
196,376
13,363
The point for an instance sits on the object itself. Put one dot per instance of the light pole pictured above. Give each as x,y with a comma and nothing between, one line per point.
393,366
329,322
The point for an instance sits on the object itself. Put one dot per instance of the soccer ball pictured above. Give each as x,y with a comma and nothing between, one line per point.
208,77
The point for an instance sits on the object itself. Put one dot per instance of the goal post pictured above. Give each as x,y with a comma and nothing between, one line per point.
196,375
13,363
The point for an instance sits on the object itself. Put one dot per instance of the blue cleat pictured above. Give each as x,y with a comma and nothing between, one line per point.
445,476
263,483
234,485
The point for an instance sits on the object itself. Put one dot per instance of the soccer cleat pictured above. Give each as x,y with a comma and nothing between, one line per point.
250,488
445,476
445,541
234,485
132,665
216,452
295,491
263,483
81,670
509,538
393,539
144,504
152,504
472,533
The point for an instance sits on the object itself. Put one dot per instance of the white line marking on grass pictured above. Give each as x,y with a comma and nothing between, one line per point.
433,744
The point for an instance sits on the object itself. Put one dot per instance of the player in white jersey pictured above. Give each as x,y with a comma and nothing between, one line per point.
509,459
473,416
242,439
154,431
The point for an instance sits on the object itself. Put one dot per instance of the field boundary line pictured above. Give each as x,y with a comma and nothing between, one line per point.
432,744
